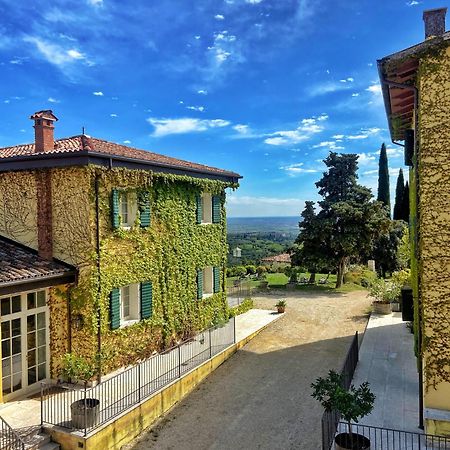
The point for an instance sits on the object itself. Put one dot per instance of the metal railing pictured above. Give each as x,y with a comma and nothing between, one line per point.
122,391
238,293
330,419
9,439
390,439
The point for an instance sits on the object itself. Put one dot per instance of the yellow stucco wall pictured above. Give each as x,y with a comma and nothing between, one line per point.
18,207
434,228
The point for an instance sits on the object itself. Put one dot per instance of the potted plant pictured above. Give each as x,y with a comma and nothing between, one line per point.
281,306
352,405
384,293
77,369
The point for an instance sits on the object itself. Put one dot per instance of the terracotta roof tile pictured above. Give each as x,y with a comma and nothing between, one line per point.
91,144
19,263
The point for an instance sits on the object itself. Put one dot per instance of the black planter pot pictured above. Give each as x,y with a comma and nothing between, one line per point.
343,442
85,412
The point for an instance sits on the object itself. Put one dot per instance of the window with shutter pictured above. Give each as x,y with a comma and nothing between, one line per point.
114,309
146,300
199,284
199,211
144,208
216,209
115,208
216,277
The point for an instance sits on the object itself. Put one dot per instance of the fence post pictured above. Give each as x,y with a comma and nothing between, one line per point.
139,382
234,329
210,344
85,408
179,360
42,405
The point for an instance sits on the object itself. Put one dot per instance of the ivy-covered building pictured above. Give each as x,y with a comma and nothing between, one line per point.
416,90
106,251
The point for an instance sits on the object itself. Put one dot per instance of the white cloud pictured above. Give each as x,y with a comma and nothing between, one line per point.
327,87
347,80
370,172
253,2
297,169
197,37
306,129
353,137
113,115
374,88
196,108
98,93
338,136
365,133
95,2
365,159
413,3
331,145
202,92
241,129
394,152
164,127
219,17
52,100
56,54
355,94
126,141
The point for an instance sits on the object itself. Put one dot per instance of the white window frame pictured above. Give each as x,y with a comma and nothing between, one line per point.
132,293
130,199
208,282
207,209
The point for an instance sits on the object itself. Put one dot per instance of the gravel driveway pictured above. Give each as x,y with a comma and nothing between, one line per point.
261,397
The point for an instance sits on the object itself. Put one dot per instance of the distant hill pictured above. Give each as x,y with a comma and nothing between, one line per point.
288,225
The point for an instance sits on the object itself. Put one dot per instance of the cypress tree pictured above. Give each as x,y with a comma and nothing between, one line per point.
399,193
383,179
405,204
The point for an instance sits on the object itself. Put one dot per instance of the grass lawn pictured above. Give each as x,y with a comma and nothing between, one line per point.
279,281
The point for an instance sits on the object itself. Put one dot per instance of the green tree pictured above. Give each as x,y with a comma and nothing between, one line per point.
349,220
308,250
385,252
399,195
383,179
404,215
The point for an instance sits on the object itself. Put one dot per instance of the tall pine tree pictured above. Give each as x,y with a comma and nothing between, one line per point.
399,194
383,179
404,215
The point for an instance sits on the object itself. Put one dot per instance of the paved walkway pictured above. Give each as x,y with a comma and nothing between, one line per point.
387,361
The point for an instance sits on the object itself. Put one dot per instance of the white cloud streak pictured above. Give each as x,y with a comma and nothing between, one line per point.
165,127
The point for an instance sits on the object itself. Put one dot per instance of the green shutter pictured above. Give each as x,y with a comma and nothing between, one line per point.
144,209
199,210
114,309
216,208
216,277
146,300
199,284
115,208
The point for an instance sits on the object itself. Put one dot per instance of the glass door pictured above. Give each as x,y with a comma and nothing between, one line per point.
24,329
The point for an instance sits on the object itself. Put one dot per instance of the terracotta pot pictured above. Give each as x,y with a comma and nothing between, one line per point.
281,309
381,308
360,442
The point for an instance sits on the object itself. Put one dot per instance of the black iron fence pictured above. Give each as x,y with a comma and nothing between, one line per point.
330,419
86,408
390,439
9,439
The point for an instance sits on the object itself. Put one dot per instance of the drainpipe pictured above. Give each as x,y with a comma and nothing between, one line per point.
99,312
419,331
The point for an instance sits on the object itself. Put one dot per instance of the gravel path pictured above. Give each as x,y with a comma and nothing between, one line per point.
261,397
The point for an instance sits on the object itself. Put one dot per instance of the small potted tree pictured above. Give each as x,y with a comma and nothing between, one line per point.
77,369
384,293
281,306
352,405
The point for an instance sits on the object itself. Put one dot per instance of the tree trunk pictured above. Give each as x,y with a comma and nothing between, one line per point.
340,273
312,278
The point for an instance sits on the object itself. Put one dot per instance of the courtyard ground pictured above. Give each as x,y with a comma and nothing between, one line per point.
261,397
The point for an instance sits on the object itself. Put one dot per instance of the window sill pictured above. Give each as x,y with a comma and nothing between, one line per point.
127,323
207,295
205,223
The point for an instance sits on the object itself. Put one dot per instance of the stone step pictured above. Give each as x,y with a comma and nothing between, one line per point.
50,446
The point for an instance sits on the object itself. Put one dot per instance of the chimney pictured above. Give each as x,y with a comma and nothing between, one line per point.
43,130
434,22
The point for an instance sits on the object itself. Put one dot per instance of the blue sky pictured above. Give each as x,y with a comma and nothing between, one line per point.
262,87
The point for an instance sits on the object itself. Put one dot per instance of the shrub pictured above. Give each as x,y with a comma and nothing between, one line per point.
261,270
360,275
76,368
384,291
402,277
245,306
240,271
251,269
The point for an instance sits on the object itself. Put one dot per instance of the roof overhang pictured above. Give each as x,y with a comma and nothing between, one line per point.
31,284
89,157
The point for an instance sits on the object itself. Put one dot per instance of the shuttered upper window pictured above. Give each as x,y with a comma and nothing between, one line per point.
209,208
127,206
